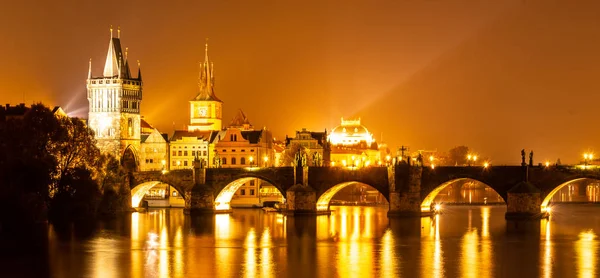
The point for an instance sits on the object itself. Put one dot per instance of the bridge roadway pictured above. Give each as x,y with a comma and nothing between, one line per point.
410,190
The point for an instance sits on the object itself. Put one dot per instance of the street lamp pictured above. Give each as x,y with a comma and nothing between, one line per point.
469,159
251,160
266,159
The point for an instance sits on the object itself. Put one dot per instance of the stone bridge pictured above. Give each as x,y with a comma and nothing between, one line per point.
410,190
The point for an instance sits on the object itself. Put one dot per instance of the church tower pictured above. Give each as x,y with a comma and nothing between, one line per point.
114,105
205,108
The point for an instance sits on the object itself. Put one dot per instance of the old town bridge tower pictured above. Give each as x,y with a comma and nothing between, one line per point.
114,105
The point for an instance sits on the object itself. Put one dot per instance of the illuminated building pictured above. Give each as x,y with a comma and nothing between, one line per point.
314,143
241,146
153,148
114,106
185,146
351,133
353,146
205,108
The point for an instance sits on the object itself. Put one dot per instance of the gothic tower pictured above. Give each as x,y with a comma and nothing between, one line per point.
205,108
114,105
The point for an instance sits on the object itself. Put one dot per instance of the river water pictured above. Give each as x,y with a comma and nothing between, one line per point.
464,241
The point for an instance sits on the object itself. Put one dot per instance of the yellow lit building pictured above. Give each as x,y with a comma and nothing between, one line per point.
205,108
114,106
353,146
242,146
153,148
314,143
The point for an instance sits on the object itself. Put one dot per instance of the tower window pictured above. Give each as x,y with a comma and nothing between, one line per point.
224,161
251,191
185,163
185,153
179,153
243,192
233,161
243,161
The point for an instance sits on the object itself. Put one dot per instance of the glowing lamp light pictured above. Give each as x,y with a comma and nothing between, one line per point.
547,164
266,158
486,164
388,157
469,157
437,207
344,162
474,158
367,163
431,158
332,163
432,166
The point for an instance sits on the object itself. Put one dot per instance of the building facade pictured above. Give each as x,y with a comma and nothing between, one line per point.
241,146
313,143
353,146
114,106
153,148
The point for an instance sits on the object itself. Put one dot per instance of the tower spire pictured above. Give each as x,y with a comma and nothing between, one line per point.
90,70
118,32
111,34
139,71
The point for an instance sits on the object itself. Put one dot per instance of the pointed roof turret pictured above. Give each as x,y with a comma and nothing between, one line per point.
115,64
206,79
139,71
90,70
241,121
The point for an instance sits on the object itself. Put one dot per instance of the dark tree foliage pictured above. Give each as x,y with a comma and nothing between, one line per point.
49,164
458,155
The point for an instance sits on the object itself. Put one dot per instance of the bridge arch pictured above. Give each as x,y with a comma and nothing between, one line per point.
224,196
325,198
546,202
138,192
428,200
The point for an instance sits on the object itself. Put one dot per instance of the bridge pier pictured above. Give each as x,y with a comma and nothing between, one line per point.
200,200
524,203
406,201
302,200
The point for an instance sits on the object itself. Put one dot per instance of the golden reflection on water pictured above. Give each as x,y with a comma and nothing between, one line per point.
585,250
249,267
431,251
388,262
266,257
476,251
104,259
547,254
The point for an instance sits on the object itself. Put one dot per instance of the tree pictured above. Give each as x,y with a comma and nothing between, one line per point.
458,155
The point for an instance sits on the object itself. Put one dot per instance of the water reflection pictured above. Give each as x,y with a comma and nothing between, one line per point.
351,242
586,250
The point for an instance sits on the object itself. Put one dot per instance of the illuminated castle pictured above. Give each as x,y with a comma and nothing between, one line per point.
114,105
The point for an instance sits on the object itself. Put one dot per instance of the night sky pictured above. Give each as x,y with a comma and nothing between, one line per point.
497,76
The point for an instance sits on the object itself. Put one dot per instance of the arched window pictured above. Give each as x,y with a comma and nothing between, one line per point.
243,161
233,161
224,161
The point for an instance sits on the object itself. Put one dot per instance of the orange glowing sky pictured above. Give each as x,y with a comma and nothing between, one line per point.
498,76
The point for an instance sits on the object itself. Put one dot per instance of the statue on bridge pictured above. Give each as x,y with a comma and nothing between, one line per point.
531,159
420,160
217,160
523,157
317,160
